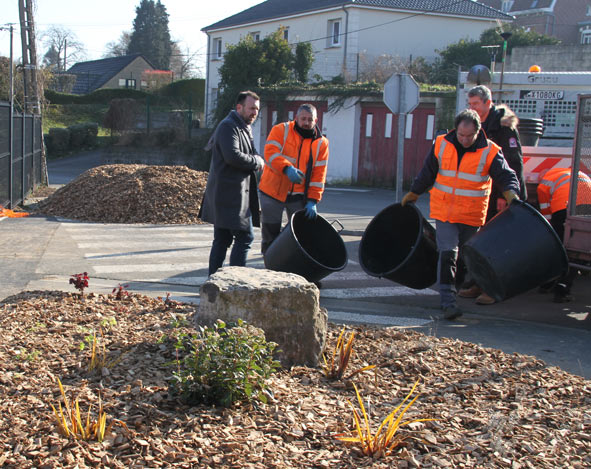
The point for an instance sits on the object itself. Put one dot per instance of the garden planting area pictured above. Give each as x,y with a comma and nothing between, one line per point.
492,409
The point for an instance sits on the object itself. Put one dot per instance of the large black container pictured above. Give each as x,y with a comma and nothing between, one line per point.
514,252
399,244
530,131
310,248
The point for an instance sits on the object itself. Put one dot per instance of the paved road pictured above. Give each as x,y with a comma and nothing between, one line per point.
41,253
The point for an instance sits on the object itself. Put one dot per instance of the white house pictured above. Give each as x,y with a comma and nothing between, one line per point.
346,33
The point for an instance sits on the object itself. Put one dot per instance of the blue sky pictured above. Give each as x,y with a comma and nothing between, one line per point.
95,23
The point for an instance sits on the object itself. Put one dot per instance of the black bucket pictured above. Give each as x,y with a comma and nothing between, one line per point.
530,131
310,248
400,245
514,252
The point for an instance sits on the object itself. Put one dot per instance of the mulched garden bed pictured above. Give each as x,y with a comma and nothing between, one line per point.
493,409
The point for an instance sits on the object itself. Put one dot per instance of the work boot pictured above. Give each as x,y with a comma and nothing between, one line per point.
484,299
471,292
451,312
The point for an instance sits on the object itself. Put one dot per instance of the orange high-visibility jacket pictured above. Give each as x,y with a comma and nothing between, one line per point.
460,195
286,147
554,190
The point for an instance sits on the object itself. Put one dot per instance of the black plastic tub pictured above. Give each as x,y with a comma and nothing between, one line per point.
310,248
400,245
514,252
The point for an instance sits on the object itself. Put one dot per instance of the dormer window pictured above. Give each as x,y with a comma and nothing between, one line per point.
506,5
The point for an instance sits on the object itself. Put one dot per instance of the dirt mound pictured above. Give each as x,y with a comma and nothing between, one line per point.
130,194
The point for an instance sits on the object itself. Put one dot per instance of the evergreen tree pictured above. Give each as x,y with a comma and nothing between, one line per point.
467,53
304,57
151,36
253,63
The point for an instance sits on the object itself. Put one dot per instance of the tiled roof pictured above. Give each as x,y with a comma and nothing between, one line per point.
272,9
95,73
519,5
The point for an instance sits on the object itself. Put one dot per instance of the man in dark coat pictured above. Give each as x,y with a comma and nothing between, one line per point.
500,125
231,201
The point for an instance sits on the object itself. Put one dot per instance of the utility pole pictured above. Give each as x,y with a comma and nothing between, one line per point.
32,87
10,109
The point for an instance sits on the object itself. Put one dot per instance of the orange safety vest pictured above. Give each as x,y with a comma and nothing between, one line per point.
554,190
286,147
460,195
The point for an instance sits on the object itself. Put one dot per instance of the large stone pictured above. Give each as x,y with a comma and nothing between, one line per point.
284,305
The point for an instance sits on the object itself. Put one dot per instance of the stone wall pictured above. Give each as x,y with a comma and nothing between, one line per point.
573,58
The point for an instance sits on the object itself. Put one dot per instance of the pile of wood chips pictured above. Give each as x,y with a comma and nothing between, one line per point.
493,409
130,193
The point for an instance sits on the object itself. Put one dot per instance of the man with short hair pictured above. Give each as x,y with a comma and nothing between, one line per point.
230,202
500,125
296,157
459,169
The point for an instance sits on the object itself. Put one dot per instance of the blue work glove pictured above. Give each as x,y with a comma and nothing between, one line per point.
311,209
294,174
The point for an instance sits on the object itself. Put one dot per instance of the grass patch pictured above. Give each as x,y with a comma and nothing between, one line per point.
65,115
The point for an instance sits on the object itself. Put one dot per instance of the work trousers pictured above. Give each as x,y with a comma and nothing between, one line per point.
272,216
222,239
450,239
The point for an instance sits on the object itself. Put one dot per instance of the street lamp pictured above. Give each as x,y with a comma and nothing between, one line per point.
506,35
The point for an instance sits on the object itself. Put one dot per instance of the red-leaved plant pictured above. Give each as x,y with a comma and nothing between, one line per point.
120,291
80,281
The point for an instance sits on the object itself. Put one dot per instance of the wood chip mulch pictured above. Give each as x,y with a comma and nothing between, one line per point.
130,193
493,409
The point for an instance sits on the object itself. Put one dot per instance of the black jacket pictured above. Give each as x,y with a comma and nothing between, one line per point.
231,197
500,126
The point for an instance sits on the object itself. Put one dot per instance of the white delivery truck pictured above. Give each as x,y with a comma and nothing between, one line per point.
550,96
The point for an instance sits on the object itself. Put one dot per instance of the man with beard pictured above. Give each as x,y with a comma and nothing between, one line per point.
230,202
296,155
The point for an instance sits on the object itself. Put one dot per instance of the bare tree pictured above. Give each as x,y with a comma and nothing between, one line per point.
379,68
63,47
183,62
118,48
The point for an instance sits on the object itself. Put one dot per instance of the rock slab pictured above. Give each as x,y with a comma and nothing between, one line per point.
286,306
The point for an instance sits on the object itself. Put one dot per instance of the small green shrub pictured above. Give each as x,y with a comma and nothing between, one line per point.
83,134
223,365
60,139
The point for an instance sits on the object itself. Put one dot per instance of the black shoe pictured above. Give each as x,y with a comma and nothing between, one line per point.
562,298
451,312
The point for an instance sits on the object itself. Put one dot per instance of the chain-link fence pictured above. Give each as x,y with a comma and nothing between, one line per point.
20,163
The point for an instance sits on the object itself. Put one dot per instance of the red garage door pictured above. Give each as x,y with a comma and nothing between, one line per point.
378,143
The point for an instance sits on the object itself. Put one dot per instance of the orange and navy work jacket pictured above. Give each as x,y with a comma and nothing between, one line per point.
460,194
286,147
554,190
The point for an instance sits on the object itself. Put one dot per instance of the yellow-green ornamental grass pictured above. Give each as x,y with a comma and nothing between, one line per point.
386,438
341,355
71,425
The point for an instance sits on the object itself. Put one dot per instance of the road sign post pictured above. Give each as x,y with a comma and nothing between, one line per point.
401,95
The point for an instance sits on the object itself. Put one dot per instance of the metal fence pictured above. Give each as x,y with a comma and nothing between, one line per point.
20,163
582,159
